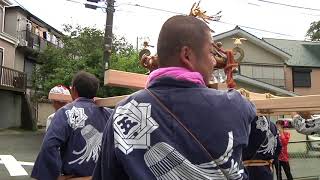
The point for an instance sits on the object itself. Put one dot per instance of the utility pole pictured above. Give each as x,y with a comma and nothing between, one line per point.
108,33
107,47
137,47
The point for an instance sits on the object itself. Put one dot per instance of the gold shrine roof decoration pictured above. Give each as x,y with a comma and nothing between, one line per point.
196,11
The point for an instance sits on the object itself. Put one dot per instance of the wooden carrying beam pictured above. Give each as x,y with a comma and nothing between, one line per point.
137,81
125,79
272,106
109,102
265,103
279,105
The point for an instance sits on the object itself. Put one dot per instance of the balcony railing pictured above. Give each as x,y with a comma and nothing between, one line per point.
11,79
31,40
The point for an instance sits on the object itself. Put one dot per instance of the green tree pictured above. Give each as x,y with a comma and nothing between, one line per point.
314,31
83,50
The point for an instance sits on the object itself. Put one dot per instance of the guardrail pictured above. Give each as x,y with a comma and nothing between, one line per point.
11,79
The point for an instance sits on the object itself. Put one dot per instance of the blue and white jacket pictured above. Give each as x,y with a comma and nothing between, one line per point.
144,141
72,143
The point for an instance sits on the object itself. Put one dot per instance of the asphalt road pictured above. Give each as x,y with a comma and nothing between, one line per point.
23,146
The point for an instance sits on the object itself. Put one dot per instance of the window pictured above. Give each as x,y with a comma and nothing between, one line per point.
302,77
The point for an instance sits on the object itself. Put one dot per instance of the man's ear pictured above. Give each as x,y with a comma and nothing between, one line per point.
186,57
74,93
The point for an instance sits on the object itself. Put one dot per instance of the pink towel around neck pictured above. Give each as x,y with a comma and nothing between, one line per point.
177,73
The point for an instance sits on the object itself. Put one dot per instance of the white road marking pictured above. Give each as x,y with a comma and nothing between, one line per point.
13,166
22,163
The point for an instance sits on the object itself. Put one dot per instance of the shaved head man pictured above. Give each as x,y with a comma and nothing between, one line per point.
177,128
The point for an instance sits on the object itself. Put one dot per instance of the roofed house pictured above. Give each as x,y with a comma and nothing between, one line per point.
303,66
34,36
262,67
22,37
12,77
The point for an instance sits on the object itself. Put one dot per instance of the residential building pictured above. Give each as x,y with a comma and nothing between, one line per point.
263,66
12,78
277,66
302,69
34,36
22,37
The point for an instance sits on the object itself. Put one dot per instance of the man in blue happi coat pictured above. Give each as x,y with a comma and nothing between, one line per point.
178,128
263,149
72,144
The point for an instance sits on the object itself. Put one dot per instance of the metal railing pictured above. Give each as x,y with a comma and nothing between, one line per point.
11,79
34,41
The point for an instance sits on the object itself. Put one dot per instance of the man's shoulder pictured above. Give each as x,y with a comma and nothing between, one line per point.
231,99
230,95
208,93
50,117
68,106
79,104
107,111
141,94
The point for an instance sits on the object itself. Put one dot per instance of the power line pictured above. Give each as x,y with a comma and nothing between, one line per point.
152,8
89,4
256,29
254,4
178,13
288,5
74,1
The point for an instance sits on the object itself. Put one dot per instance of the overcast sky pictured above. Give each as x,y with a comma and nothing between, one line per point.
133,22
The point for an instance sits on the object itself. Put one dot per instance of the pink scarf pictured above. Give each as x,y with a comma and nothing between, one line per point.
177,73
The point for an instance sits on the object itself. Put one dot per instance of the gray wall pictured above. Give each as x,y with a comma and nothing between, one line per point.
19,61
44,110
10,109
8,53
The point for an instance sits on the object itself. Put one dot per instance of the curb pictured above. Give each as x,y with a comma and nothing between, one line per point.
20,132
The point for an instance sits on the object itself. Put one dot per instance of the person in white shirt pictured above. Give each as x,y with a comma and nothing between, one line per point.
60,96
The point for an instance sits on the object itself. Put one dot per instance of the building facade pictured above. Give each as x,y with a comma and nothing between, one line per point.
22,37
302,69
12,79
282,67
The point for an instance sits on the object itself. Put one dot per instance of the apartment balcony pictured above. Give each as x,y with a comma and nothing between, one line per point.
34,43
13,80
